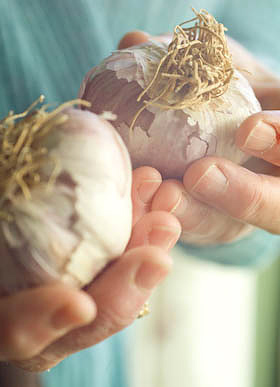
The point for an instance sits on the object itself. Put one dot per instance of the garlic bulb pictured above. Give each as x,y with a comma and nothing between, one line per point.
70,217
174,124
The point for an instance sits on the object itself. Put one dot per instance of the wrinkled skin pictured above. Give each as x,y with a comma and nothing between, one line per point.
218,201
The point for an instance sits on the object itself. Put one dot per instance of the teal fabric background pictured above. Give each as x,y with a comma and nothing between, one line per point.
47,46
100,366
256,250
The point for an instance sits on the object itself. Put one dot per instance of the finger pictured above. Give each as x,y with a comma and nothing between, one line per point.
256,72
135,276
268,93
259,135
201,224
156,228
145,183
133,38
236,191
30,320
120,293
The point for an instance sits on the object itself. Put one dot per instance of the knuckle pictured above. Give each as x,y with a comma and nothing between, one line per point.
254,205
233,234
118,318
193,216
12,341
196,239
216,228
201,223
15,343
109,323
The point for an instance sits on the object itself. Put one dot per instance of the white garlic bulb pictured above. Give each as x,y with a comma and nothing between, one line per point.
72,229
162,136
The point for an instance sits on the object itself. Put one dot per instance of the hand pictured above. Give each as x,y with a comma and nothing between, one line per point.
219,201
39,327
265,83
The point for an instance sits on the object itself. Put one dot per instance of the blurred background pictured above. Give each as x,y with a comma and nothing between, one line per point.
215,321
211,325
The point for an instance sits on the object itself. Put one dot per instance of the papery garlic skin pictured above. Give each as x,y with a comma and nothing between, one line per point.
72,231
168,140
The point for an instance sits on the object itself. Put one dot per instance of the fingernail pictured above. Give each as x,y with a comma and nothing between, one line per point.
212,183
67,317
150,274
147,189
261,138
181,206
164,237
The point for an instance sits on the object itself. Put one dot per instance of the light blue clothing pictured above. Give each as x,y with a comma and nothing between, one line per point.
47,46
101,366
257,249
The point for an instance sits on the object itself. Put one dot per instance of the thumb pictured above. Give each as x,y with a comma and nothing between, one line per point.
133,38
32,319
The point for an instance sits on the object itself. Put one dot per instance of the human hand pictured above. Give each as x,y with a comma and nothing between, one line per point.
264,82
39,327
219,201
